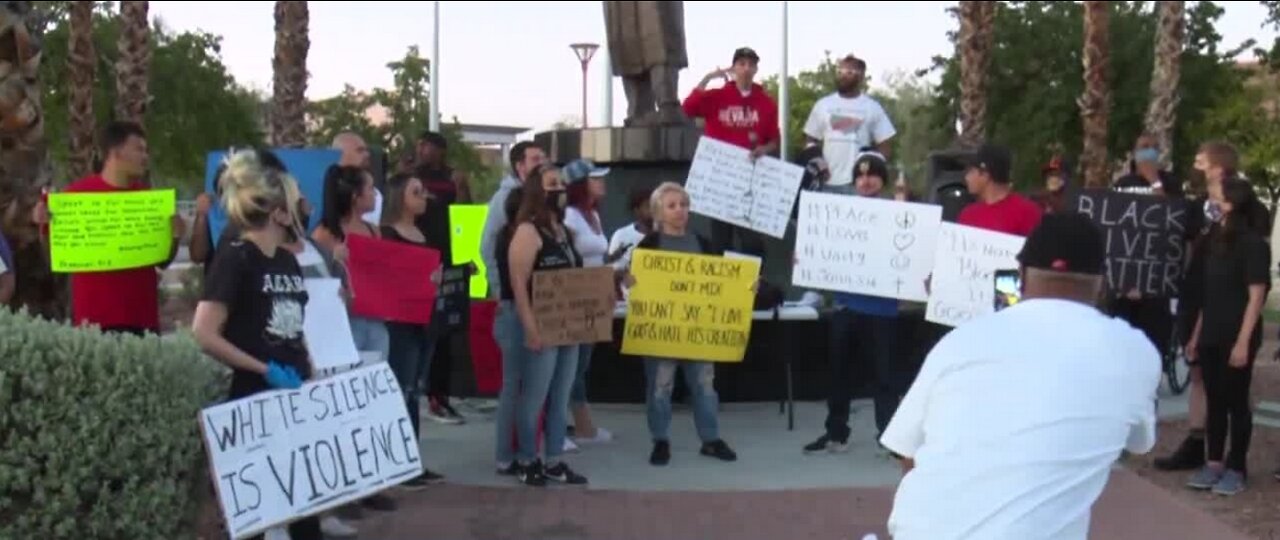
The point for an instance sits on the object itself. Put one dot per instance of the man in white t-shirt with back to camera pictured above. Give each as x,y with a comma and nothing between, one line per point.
846,122
1012,427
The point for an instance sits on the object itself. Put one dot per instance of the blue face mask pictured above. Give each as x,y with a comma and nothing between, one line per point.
1150,155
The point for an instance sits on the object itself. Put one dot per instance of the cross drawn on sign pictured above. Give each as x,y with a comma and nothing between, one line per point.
574,306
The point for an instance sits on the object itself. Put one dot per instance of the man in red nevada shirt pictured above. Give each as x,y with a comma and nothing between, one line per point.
740,113
997,207
121,300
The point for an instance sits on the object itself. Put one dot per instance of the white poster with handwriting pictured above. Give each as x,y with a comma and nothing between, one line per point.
282,455
963,286
865,245
326,328
725,184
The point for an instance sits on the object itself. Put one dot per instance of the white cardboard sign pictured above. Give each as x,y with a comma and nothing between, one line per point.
725,184
326,328
865,245
282,455
963,286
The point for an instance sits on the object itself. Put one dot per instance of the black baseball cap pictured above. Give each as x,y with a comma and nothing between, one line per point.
746,52
996,160
1066,242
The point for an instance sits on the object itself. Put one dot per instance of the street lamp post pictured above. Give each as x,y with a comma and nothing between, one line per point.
584,52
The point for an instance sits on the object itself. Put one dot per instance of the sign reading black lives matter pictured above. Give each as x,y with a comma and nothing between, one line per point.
279,456
1144,236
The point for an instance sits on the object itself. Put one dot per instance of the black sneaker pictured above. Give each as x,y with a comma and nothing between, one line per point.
826,444
350,512
1188,457
379,502
416,483
532,475
563,474
661,454
719,450
431,477
510,470
451,412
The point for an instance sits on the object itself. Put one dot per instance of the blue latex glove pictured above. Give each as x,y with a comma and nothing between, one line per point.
282,376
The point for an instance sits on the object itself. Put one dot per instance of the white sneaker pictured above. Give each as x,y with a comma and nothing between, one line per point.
333,527
602,436
569,447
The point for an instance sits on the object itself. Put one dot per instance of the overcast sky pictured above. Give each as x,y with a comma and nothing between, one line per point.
509,63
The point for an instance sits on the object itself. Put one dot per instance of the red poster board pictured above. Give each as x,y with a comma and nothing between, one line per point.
391,281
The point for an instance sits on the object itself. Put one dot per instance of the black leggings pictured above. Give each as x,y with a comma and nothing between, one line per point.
1227,391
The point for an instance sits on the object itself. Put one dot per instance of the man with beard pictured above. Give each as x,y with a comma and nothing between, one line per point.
847,121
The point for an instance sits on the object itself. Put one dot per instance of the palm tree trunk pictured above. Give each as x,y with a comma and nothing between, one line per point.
134,63
289,84
24,166
81,65
1163,108
977,25
1095,104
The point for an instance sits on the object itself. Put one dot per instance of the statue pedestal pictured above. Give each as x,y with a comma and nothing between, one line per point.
642,158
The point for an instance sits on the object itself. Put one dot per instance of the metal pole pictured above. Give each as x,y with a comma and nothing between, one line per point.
434,121
784,101
608,90
584,95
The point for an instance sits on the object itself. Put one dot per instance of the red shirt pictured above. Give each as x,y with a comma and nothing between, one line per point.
119,298
731,117
1013,214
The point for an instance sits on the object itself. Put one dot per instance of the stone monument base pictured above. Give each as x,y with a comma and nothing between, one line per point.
643,158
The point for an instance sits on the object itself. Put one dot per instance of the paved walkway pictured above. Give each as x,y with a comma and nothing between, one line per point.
773,492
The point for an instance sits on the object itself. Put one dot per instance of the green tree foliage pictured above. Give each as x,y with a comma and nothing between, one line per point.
196,104
1250,120
1037,75
407,111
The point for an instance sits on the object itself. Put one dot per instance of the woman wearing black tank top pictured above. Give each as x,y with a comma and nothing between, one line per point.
535,374
411,344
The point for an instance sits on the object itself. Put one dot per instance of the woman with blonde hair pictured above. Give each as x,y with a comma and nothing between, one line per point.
670,210
251,311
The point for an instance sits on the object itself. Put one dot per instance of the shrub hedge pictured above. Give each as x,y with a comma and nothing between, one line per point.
99,436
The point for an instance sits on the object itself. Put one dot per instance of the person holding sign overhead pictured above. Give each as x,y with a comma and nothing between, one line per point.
534,374
251,311
671,233
740,113
124,301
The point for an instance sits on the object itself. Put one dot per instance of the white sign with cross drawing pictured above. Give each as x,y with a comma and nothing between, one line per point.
865,245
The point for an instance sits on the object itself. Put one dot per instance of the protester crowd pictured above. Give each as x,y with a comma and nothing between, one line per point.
546,216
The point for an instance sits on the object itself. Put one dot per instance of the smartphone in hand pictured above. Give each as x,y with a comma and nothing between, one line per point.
1008,284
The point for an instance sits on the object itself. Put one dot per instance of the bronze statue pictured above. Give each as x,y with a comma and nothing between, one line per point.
647,49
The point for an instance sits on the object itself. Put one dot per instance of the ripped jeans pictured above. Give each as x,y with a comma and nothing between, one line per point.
700,378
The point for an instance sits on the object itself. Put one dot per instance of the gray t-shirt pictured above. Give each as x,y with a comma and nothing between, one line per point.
688,243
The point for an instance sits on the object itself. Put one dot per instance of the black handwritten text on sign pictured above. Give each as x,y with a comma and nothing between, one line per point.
1145,240
282,455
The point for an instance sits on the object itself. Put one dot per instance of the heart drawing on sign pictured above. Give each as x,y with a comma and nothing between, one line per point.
902,241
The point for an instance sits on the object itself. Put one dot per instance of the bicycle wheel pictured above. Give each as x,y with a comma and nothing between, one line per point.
1177,373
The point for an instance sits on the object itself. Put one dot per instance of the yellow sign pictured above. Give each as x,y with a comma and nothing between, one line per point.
96,232
466,225
689,307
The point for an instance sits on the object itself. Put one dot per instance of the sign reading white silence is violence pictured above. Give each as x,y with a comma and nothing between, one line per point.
282,455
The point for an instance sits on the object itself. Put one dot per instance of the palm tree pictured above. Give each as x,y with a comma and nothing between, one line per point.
1163,108
82,62
24,167
1095,104
289,84
135,60
977,37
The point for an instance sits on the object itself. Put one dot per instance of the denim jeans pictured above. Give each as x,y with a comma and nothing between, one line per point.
700,378
531,381
412,346
578,396
856,335
371,335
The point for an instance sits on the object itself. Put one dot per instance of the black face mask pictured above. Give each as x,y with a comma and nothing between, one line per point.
557,201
